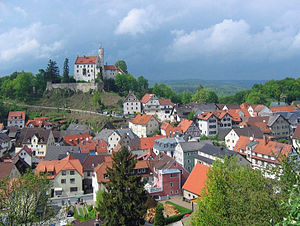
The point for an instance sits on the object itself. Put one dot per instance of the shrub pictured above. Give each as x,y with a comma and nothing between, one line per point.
90,208
183,211
159,219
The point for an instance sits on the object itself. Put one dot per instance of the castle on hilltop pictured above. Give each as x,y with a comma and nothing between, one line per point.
87,68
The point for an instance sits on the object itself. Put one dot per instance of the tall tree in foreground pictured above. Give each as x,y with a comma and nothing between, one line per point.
66,71
124,201
238,195
23,200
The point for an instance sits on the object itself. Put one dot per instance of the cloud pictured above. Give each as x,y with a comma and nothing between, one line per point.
233,40
20,44
20,10
138,21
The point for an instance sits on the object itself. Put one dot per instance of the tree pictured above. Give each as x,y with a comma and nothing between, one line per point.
52,72
237,195
99,199
122,65
66,71
185,97
125,196
204,95
24,200
40,82
23,85
159,219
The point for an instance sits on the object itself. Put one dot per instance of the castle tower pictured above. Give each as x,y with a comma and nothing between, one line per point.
101,60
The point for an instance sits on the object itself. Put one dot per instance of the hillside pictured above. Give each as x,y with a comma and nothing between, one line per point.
79,100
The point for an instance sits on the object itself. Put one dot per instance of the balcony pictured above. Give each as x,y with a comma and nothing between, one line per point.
152,189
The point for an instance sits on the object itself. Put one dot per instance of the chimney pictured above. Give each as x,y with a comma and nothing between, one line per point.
266,139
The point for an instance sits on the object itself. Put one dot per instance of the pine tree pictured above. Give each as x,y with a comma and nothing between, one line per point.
66,71
52,72
159,219
125,197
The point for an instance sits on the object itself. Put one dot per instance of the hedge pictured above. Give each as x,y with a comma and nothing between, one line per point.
183,211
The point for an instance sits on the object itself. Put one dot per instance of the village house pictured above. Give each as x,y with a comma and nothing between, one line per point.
66,175
100,175
259,110
166,107
296,139
16,118
131,105
26,154
209,153
263,153
167,145
188,127
89,164
293,118
167,177
208,124
234,134
276,125
87,68
39,122
144,125
185,153
150,104
195,182
166,129
5,143
122,137
37,139
77,139
8,169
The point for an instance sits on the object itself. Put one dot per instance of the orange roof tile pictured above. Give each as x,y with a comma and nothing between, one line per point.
165,102
16,114
197,179
147,97
76,139
113,68
205,115
148,142
55,166
220,114
282,109
184,125
270,148
141,119
234,113
86,60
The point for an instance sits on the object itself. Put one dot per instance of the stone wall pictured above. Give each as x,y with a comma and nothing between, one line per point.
84,87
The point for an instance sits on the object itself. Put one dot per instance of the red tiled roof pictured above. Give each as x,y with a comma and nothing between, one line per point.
197,179
165,102
113,68
146,98
76,139
55,166
148,142
245,106
141,119
220,113
296,134
86,60
270,148
16,114
169,129
39,122
205,115
5,169
25,148
282,109
184,125
234,113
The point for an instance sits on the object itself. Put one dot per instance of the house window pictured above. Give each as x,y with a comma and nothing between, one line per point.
171,175
88,173
171,192
171,184
72,180
72,172
176,191
63,172
63,181
73,189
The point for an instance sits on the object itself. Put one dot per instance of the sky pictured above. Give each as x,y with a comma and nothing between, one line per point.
161,40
